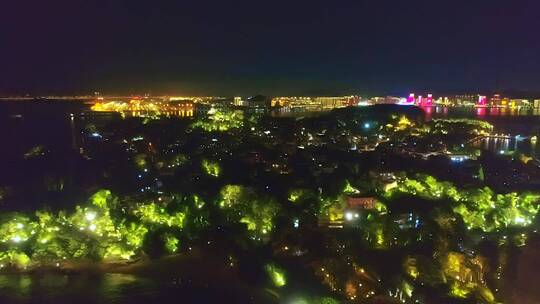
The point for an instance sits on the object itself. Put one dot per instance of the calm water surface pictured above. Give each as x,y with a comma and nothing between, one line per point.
107,288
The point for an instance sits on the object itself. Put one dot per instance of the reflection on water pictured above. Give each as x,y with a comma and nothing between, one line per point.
523,121
508,145
497,144
106,288
59,287
479,113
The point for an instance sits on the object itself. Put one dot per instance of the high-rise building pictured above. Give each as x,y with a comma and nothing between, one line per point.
429,100
495,100
410,99
482,101
328,103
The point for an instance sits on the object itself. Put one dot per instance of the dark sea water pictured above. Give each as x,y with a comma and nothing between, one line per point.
24,124
108,288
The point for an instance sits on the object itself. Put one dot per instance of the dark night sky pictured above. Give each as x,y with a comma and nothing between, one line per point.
269,47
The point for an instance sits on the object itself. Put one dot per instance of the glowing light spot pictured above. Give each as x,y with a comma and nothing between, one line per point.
519,220
90,216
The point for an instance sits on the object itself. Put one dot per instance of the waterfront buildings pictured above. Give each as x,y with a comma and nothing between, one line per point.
188,106
300,103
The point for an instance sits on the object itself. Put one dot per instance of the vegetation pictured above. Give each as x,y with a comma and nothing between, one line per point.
265,196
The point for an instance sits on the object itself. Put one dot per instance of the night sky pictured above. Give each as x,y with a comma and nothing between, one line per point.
269,47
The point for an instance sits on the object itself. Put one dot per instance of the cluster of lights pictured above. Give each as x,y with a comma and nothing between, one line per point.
136,107
221,120
477,205
62,236
349,215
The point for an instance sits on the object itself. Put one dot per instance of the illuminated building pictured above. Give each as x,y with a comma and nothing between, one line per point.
407,101
315,103
517,103
238,101
495,100
328,103
429,100
410,99
446,101
288,101
536,103
296,103
349,212
367,203
466,100
354,101
377,100
438,101
146,107
505,102
385,100
482,101
391,100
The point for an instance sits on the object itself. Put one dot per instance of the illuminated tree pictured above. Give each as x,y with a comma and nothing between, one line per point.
295,195
480,208
403,123
221,120
14,258
154,214
178,160
301,195
35,152
17,230
466,276
103,199
171,243
211,168
349,189
332,208
276,274
140,160
231,195
258,216
255,211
